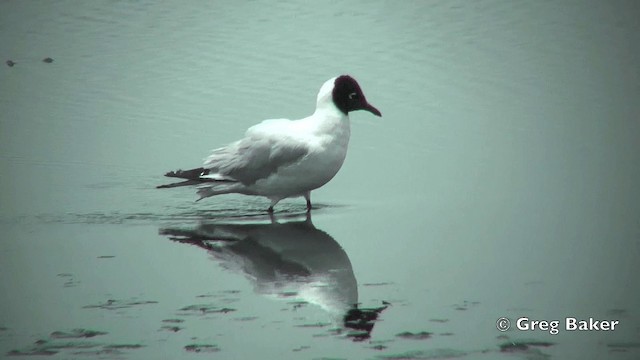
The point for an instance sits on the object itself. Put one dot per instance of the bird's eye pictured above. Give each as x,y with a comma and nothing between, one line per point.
353,96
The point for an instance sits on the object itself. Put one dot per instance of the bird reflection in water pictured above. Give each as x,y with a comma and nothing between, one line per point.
284,258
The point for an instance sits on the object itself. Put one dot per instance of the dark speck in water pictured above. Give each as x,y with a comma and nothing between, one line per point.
124,346
426,354
246,318
171,328
439,320
206,309
314,325
76,333
173,321
118,304
423,335
10,63
43,347
522,345
47,60
304,347
202,348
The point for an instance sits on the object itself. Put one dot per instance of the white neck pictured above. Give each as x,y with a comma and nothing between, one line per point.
325,108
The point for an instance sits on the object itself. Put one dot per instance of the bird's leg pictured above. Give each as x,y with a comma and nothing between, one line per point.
273,203
307,196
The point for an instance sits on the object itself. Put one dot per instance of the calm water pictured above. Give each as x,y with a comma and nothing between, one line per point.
502,180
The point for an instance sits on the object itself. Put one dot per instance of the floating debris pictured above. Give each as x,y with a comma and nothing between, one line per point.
314,325
427,354
171,328
423,335
76,334
202,348
206,309
47,60
43,347
10,63
100,352
118,304
70,281
303,347
173,321
31,352
124,346
523,345
246,318
465,305
55,345
439,320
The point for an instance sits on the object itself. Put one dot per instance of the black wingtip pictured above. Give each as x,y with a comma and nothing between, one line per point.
192,174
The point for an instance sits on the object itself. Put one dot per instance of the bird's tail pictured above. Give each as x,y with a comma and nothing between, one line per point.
192,177
209,186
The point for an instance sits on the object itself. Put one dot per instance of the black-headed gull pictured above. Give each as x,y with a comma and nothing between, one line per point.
281,158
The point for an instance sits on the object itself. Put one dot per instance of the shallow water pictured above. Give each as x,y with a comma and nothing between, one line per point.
500,182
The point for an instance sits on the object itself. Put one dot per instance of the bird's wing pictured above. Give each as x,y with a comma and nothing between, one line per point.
266,147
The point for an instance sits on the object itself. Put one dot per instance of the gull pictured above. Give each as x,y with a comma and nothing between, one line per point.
282,158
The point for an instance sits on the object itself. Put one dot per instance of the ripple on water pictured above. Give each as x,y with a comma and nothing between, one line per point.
178,214
112,304
204,309
59,342
76,333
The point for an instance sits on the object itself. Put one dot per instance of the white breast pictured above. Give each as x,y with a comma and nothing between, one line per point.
327,135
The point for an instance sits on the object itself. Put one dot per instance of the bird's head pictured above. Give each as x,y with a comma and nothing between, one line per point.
347,96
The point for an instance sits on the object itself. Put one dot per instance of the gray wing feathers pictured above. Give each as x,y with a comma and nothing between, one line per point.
254,158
